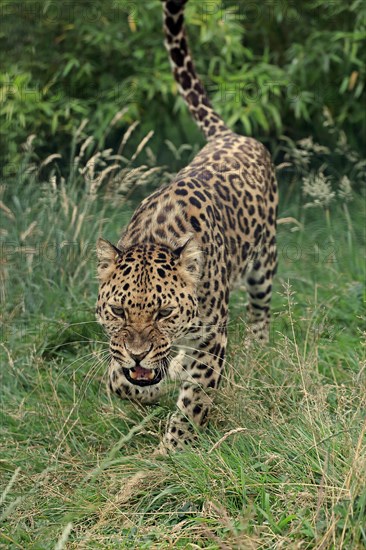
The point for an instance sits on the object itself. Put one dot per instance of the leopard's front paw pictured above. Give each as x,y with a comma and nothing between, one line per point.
180,434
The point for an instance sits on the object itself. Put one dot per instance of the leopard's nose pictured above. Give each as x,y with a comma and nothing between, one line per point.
138,357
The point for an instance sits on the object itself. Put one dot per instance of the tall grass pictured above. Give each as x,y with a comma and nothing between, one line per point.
283,463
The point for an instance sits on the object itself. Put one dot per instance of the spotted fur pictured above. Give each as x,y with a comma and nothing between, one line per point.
165,286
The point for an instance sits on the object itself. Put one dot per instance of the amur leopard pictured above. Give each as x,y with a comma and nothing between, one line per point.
164,288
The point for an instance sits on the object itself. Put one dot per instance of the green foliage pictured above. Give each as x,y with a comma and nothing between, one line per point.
269,70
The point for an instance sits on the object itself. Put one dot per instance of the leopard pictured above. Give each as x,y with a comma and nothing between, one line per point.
164,287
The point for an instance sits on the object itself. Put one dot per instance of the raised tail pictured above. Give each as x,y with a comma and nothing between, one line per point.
190,86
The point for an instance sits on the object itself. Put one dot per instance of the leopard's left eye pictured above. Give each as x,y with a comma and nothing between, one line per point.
164,313
118,311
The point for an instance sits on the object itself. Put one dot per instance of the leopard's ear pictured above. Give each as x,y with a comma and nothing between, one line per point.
107,255
190,258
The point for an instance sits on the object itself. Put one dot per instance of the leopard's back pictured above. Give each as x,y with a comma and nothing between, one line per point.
227,197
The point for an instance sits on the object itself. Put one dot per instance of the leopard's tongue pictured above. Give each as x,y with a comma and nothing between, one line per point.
139,373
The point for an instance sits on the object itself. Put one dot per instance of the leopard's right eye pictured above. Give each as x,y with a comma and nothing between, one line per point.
118,312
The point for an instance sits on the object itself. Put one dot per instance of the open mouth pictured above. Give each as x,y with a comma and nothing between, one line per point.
143,377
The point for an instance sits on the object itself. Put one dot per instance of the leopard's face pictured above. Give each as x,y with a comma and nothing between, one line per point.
147,301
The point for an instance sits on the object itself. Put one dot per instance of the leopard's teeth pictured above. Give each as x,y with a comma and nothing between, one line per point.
151,375
133,375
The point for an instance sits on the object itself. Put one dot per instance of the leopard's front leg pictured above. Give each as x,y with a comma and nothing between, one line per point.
202,370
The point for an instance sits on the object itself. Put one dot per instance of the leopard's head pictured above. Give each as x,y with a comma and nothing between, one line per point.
147,301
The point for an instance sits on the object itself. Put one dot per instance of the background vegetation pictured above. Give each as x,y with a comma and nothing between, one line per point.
271,69
283,463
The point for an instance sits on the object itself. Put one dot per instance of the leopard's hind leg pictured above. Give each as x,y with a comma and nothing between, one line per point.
258,283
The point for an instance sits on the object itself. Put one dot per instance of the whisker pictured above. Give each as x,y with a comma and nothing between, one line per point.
72,342
85,357
68,325
90,375
89,378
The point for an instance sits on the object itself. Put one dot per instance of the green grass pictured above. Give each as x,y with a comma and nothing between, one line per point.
283,463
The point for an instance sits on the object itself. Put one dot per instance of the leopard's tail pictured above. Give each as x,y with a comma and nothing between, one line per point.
190,85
